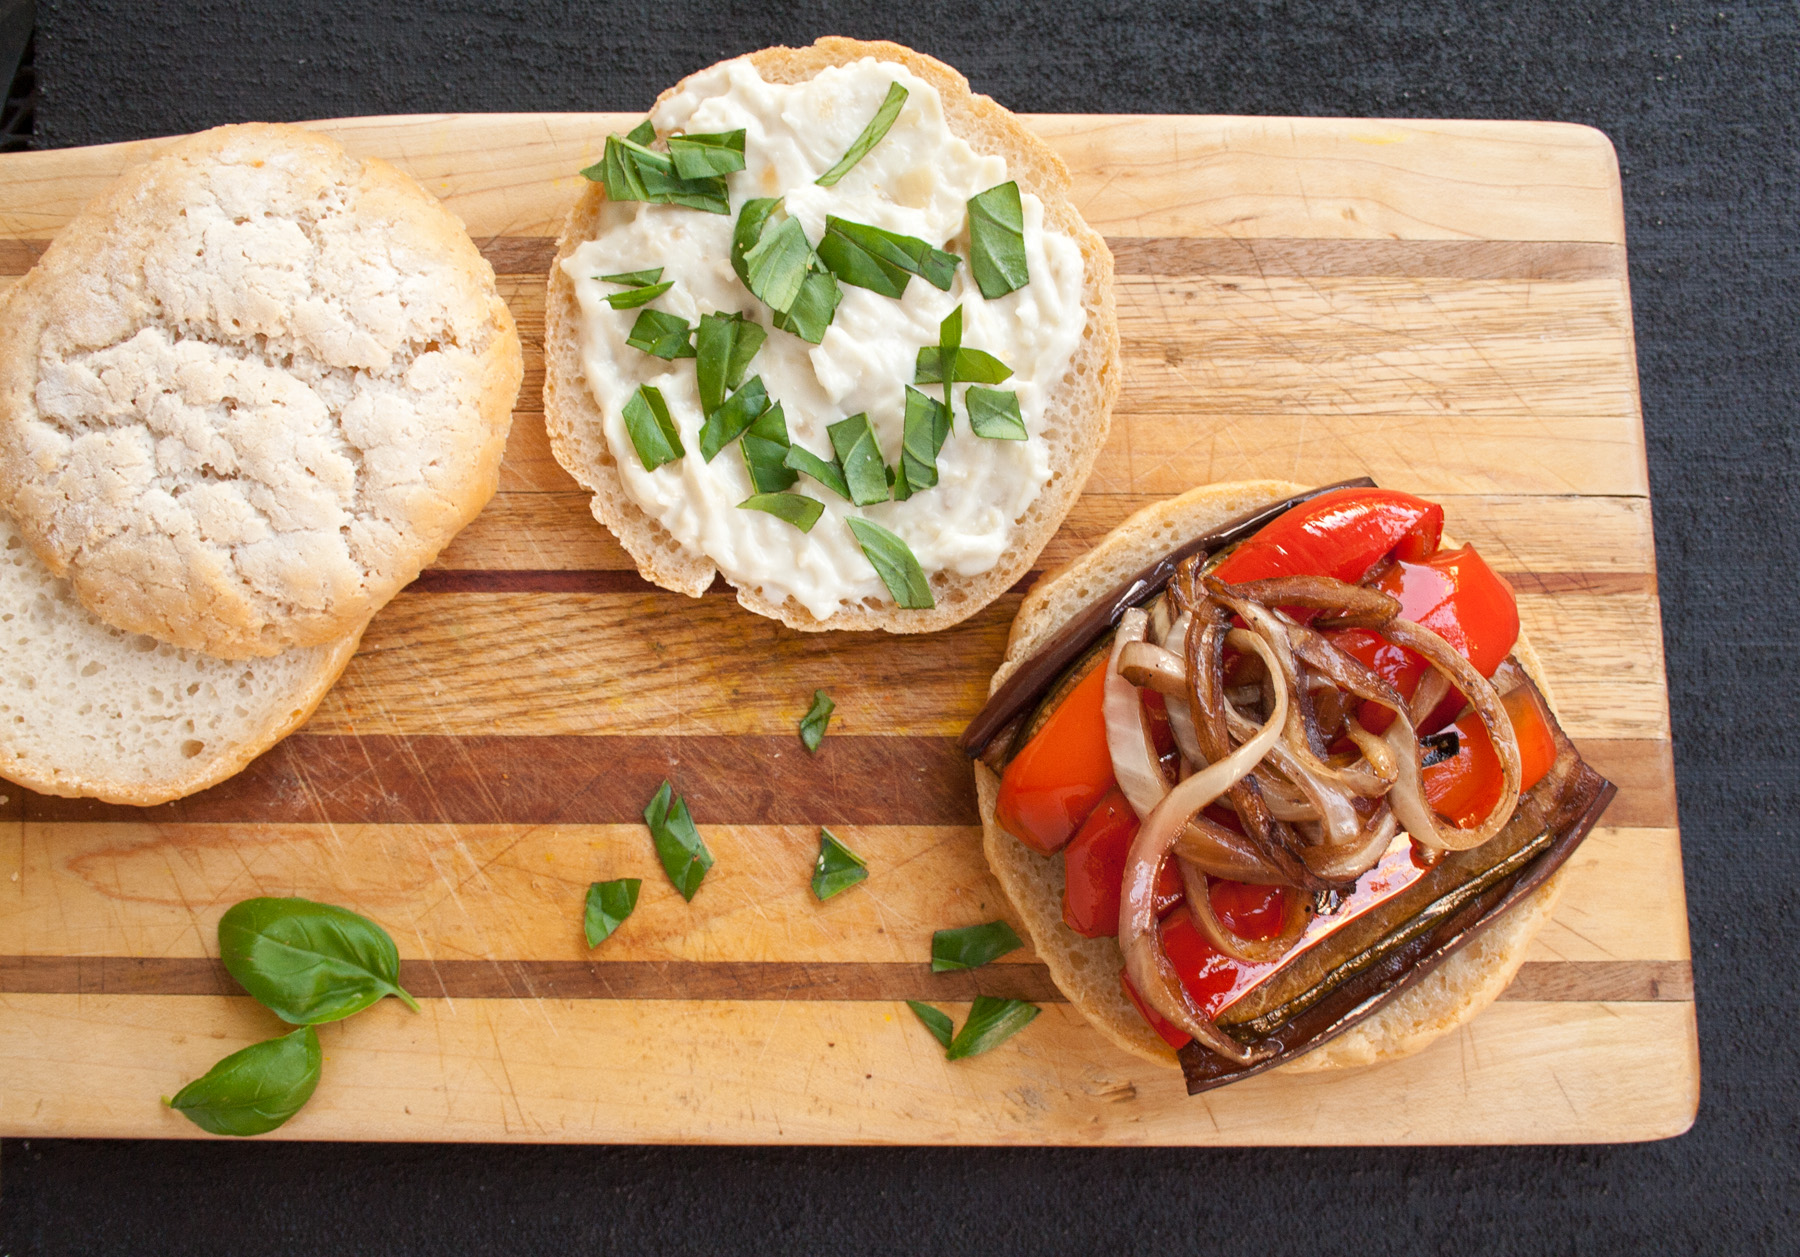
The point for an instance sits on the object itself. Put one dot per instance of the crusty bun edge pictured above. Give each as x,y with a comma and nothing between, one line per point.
1087,970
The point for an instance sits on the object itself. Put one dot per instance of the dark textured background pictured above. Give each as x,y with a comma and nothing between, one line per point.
1701,102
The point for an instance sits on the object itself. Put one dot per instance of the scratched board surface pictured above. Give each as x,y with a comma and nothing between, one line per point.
1442,306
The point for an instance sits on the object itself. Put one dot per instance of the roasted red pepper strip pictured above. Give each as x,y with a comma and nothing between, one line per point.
1174,1036
1343,534
1465,787
1456,595
1063,772
1094,870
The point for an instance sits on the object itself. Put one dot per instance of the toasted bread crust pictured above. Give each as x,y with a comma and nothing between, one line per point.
1087,969
575,422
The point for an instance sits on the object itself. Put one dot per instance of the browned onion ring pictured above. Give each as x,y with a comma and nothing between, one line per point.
1255,951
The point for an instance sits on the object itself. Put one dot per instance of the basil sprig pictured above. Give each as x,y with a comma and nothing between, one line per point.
853,440
608,904
995,413
700,156
883,261
732,419
678,845
829,474
997,241
837,869
254,1090
796,508
972,946
652,431
765,447
630,170
814,722
991,1022
870,137
779,266
936,1021
665,335
895,563
309,962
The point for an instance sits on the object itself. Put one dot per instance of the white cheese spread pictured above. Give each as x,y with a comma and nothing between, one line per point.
917,182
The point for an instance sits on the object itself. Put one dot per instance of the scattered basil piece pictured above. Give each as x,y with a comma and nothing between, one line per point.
608,904
724,345
733,419
636,297
650,428
870,137
684,856
882,261
995,413
997,241
634,279
309,962
853,440
814,722
781,268
752,217
254,1090
663,334
631,171
973,366
949,346
765,448
927,428
837,869
643,133
698,156
991,1022
893,561
813,310
777,265
796,508
972,946
937,1022
829,474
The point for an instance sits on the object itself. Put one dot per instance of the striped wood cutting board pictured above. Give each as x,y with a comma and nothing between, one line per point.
1440,305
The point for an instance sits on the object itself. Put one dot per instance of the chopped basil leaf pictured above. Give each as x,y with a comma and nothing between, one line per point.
813,309
725,344
608,904
817,717
638,296
860,457
253,1090
870,137
697,156
781,268
937,1022
837,869
631,171
991,1022
643,133
973,366
972,946
634,279
663,334
733,419
829,474
307,962
796,508
752,218
949,346
684,856
895,564
777,265
882,261
765,448
927,428
652,432
997,241
995,413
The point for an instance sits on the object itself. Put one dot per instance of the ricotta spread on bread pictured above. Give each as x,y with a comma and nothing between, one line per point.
916,181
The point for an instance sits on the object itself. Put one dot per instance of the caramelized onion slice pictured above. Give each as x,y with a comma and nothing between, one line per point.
1348,606
1346,864
1144,664
1255,951
1134,761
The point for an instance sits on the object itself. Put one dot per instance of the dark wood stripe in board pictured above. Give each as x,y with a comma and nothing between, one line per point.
748,779
1177,256
1624,981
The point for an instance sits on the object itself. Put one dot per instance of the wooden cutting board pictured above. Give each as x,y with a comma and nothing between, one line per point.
1440,305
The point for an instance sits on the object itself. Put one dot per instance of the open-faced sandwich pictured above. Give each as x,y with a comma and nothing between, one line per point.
1271,777
828,324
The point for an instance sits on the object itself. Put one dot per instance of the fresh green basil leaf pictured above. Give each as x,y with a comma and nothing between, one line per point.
733,419
973,366
638,296
813,310
814,722
642,133
634,279
698,156
777,265
796,508
650,428
753,217
972,946
949,345
309,962
997,241
853,440
684,856
882,261
935,1021
991,1022
615,173
893,561
608,904
254,1090
927,428
665,335
994,413
858,267
837,869
725,344
870,137
631,171
829,474
765,448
